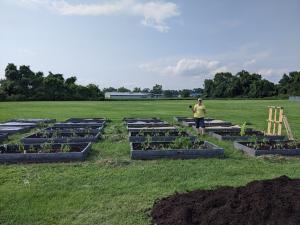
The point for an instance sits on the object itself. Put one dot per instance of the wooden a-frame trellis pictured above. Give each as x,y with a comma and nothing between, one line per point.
275,121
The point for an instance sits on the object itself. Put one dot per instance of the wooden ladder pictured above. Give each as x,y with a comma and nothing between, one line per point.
288,128
275,120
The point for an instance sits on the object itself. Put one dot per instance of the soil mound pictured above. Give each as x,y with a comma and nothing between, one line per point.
266,202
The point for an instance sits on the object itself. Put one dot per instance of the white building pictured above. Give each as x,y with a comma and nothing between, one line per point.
126,95
294,98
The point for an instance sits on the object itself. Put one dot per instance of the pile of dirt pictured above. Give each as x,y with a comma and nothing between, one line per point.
266,202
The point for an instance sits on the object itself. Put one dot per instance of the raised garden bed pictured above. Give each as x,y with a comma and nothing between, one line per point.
156,136
84,120
132,120
79,124
249,134
152,129
285,148
211,123
32,120
13,130
147,125
221,128
3,137
157,150
18,124
188,119
39,153
61,137
75,129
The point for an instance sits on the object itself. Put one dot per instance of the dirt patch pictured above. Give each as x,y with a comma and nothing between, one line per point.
266,202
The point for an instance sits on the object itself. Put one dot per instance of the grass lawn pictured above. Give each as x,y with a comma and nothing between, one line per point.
109,188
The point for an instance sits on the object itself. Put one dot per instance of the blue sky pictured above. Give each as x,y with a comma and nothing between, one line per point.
140,43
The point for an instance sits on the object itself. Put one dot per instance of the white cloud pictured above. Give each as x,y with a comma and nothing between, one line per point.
155,13
185,67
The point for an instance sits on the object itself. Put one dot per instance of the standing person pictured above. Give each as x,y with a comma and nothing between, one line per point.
199,111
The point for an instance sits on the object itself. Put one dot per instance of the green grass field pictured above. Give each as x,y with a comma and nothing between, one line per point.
109,188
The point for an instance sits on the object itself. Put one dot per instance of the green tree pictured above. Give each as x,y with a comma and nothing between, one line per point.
123,89
157,89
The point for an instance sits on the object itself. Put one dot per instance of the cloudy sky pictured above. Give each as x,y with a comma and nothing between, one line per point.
143,42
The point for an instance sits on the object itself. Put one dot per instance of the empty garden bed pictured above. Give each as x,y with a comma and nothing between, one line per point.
83,120
33,120
13,130
79,124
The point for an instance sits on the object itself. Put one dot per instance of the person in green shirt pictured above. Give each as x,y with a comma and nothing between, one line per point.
199,111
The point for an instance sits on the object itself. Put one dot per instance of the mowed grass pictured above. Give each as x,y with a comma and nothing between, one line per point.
109,188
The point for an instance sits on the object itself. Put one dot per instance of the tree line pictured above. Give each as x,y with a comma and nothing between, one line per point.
24,84
247,85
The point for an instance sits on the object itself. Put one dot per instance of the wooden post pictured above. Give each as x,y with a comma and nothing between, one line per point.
280,120
270,120
274,121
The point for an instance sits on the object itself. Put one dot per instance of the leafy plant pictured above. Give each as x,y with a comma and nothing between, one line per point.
147,143
65,148
22,148
181,143
31,148
243,129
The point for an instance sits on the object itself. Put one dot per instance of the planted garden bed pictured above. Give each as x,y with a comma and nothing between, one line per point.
157,136
249,134
38,153
184,150
61,137
285,148
152,129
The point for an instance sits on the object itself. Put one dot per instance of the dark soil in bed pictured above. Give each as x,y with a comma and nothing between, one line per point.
266,202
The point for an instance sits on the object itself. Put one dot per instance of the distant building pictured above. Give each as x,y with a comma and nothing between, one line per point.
127,95
294,98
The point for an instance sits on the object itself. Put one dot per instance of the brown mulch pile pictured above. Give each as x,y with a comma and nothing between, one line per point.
265,202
